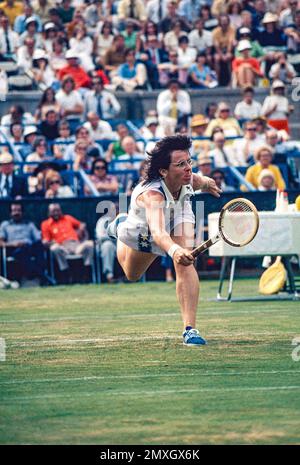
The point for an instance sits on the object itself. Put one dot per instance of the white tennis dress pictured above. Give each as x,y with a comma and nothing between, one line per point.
134,231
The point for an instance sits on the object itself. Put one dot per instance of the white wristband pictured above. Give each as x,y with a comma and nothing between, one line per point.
173,249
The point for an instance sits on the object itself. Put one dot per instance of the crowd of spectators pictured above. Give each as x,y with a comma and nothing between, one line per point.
79,53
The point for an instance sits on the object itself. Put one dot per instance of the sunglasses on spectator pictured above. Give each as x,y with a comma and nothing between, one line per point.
225,110
56,181
251,129
100,167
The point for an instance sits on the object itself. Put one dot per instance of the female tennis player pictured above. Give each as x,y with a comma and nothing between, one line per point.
161,220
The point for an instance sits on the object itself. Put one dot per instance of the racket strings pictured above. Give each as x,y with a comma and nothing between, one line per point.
239,223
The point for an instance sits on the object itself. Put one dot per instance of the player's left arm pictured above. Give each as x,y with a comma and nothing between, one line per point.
206,184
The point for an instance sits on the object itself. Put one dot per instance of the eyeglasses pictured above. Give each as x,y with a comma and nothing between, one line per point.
251,129
57,181
183,163
99,168
225,110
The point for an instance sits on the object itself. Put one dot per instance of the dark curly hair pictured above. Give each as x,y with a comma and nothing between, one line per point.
160,156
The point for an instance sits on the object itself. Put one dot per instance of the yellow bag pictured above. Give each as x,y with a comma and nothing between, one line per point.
273,279
297,203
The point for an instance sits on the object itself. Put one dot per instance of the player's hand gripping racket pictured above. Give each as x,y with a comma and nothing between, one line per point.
238,225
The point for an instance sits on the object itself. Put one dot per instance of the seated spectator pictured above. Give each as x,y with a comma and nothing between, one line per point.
248,108
115,55
171,38
219,177
82,134
150,29
25,55
246,146
263,157
149,130
11,9
54,186
276,107
211,110
50,36
136,11
201,39
170,71
282,70
172,16
223,156
132,158
209,21
47,102
101,101
131,37
22,240
174,102
223,40
49,127
234,9
20,21
42,8
65,235
154,57
107,248
199,125
130,75
98,128
103,182
82,46
57,55
16,134
293,36
245,68
186,54
115,148
9,39
73,69
38,155
200,75
17,114
63,140
247,23
189,9
228,123
70,101
42,72
31,32
272,138
66,11
103,40
270,38
29,134
261,126
11,185
205,165
266,180
80,156
256,50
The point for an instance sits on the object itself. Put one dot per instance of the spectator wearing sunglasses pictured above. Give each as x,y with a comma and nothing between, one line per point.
219,177
54,186
244,148
103,182
225,121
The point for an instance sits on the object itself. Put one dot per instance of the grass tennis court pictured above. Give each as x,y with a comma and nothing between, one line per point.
106,365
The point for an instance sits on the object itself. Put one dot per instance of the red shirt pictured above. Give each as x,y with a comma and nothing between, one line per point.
251,61
62,230
78,74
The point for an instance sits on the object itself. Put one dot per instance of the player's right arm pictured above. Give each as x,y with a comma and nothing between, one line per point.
153,203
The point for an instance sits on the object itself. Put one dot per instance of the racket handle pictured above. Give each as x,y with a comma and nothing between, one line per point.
204,246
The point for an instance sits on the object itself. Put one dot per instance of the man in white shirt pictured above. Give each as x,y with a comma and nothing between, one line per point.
70,99
248,108
223,156
97,128
25,54
100,101
174,102
156,10
245,148
200,38
9,40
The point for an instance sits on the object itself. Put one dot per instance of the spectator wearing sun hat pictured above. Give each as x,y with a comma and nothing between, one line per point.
246,69
266,181
31,30
256,49
276,107
74,70
263,157
198,126
19,24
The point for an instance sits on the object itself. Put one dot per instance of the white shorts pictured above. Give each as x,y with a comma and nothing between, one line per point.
137,235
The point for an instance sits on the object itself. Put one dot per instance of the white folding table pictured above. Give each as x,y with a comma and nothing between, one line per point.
278,234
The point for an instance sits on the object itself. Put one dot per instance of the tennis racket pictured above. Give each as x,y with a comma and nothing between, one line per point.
238,225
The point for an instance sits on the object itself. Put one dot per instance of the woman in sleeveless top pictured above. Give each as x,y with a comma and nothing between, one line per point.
161,221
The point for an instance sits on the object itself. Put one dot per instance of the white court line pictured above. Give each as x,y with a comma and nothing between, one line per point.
123,339
154,375
155,393
146,316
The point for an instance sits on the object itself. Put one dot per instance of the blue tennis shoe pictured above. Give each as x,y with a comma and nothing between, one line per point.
191,337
